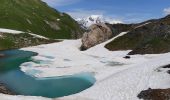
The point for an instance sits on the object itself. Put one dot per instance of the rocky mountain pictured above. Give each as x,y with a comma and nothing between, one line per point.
149,37
95,19
35,16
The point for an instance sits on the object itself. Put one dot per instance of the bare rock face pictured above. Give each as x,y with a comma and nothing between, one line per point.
98,33
155,94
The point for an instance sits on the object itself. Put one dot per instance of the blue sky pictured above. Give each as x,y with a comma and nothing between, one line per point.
128,11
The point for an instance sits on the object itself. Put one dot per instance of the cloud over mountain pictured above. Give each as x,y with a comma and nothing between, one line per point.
167,11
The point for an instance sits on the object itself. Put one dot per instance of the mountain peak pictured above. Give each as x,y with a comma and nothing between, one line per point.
95,19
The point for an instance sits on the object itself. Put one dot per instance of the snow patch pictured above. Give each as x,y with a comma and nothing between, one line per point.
3,30
58,19
96,19
38,36
143,25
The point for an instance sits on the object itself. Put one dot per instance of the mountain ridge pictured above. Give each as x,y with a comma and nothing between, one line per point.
149,37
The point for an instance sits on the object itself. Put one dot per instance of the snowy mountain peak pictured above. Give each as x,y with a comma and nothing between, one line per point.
95,19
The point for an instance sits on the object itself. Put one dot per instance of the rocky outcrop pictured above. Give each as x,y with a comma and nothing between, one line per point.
5,90
155,94
98,33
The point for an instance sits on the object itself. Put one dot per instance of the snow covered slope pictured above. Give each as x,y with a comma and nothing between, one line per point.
117,78
94,19
127,84
68,60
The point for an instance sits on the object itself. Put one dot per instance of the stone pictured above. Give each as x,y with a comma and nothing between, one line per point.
98,33
5,90
2,55
127,57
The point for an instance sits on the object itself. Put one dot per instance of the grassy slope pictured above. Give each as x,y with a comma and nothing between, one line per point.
148,39
11,41
14,14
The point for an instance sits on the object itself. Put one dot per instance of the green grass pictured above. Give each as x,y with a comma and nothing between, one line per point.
6,44
127,42
149,39
153,46
14,14
11,41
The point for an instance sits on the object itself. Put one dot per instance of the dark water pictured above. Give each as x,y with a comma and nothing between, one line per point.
23,84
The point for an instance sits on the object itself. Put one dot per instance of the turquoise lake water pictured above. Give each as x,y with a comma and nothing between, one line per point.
23,84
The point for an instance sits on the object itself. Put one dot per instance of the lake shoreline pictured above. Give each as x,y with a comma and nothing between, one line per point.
14,79
3,88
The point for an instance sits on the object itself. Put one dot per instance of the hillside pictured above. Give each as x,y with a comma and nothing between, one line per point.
149,37
15,41
37,17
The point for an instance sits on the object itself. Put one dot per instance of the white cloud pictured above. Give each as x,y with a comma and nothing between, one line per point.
81,13
56,3
111,17
167,11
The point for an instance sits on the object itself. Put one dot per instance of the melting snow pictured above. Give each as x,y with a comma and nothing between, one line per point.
117,78
3,30
143,25
38,36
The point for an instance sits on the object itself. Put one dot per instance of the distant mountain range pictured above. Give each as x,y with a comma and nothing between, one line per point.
95,19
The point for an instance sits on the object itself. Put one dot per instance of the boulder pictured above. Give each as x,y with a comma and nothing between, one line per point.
155,94
98,33
2,55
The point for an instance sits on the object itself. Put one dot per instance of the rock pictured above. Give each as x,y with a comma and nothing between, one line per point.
53,25
98,33
127,57
2,55
5,90
155,94
166,66
168,71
